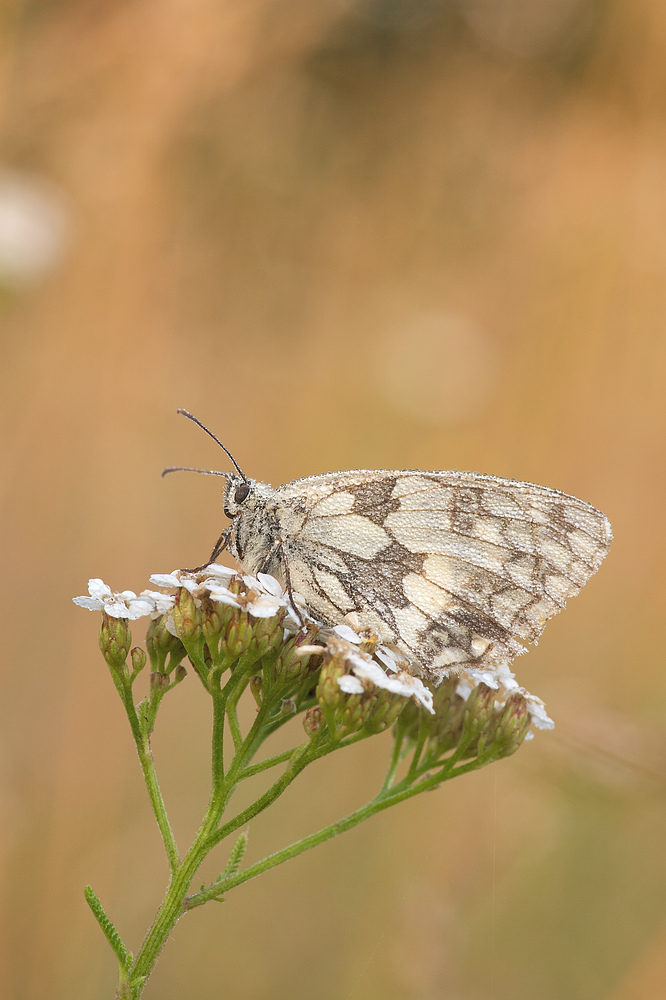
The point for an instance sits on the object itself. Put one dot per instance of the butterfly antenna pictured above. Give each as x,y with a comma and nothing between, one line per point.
190,416
188,468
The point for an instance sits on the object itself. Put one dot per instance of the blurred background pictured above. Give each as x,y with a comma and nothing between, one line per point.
355,233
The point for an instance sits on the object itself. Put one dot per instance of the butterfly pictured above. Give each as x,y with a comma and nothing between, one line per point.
452,569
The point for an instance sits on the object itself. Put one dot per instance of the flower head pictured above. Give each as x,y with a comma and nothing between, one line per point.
261,596
503,681
125,604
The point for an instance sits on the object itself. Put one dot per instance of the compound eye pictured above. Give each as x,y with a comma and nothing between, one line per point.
242,492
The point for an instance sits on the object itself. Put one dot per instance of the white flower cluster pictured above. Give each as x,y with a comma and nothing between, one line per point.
502,680
124,604
263,596
397,678
367,672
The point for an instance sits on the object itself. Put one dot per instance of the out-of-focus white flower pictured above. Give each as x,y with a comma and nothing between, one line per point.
367,673
404,683
501,679
34,226
125,604
540,719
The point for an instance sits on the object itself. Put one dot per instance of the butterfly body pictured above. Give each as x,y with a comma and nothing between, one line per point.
451,568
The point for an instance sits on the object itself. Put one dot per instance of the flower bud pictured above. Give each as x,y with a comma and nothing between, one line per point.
382,710
186,616
162,644
313,721
329,695
159,681
352,716
512,726
216,617
115,640
293,663
447,723
267,633
138,659
237,636
477,715
180,674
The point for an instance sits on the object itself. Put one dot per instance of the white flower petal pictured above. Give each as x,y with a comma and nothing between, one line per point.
97,588
417,689
404,684
166,579
138,608
350,684
223,598
91,603
391,660
347,633
171,626
537,711
221,572
464,688
161,602
270,584
117,609
264,606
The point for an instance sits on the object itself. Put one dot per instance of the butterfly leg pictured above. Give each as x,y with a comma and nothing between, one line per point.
220,546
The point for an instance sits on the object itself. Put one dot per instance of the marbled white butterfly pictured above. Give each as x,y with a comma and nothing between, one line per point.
453,569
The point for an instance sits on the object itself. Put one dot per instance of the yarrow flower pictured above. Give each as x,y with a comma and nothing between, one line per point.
366,673
123,604
369,664
261,596
503,680
499,678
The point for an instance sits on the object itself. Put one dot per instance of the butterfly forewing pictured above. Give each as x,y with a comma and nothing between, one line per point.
451,568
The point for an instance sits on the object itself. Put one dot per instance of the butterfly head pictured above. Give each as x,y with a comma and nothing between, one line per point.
236,494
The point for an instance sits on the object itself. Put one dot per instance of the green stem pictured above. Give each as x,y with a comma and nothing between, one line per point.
395,760
377,805
264,765
167,915
142,742
301,756
217,743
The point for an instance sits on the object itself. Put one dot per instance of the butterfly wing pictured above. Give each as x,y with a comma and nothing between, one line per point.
452,568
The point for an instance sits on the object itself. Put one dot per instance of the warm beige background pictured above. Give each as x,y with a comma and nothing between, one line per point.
403,233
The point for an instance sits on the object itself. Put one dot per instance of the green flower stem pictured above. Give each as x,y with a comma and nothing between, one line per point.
377,805
396,757
217,742
421,740
264,765
234,727
173,904
142,742
300,758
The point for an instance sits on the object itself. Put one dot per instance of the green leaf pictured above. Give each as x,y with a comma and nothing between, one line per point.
108,929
